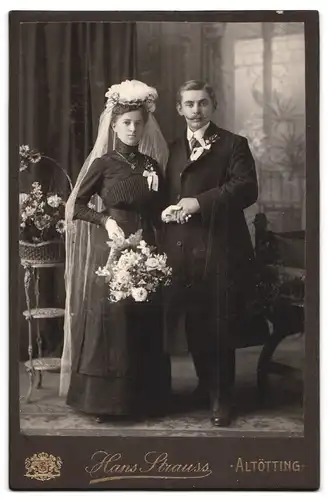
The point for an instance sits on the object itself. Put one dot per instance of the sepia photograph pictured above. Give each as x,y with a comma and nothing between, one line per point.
161,221
204,332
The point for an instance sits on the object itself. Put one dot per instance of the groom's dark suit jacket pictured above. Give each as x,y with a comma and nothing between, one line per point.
213,249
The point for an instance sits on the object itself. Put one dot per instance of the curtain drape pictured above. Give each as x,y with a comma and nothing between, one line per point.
65,70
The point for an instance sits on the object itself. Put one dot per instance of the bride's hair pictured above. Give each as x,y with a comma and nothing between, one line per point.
121,108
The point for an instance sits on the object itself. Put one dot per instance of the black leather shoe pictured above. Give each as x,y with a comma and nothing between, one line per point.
221,413
100,419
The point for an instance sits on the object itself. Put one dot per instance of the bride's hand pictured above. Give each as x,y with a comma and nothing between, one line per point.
175,213
113,229
170,213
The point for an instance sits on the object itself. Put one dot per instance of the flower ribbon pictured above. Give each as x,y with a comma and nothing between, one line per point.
152,179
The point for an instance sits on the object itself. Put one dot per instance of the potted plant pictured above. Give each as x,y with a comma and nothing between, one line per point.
42,218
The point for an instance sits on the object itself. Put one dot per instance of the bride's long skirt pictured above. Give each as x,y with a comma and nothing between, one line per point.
119,365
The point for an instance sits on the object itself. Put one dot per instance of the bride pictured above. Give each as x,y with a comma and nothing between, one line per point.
113,361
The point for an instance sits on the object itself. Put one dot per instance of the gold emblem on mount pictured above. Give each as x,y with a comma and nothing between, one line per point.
43,467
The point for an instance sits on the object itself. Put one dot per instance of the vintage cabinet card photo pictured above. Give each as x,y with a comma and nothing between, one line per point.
164,184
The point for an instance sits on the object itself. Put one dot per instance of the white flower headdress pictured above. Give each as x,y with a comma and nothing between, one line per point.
132,92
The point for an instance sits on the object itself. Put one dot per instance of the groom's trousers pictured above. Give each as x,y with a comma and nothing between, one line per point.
208,335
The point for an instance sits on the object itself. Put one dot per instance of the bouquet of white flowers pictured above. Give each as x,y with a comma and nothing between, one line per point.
134,269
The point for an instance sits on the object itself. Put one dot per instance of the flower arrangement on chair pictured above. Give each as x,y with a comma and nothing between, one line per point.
42,217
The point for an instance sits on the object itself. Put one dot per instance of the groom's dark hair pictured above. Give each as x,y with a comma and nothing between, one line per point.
197,85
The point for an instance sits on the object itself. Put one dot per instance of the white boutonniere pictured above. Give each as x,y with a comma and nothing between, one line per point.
204,145
150,174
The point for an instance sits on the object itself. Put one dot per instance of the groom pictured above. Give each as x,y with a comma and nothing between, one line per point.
210,179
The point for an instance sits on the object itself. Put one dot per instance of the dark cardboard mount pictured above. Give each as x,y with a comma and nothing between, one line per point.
230,460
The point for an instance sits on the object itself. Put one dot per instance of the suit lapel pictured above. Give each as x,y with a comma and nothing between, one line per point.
211,132
181,155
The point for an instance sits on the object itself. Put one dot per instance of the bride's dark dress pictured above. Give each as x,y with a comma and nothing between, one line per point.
118,363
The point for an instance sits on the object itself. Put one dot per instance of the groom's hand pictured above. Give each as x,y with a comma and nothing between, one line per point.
188,206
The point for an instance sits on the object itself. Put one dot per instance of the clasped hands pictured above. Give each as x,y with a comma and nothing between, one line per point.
181,212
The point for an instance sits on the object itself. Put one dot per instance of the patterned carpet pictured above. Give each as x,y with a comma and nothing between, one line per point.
47,413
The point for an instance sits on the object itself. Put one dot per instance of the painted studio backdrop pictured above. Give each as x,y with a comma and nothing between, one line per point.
257,70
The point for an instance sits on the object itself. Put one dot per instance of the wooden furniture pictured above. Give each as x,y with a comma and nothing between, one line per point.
281,264
33,315
287,319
